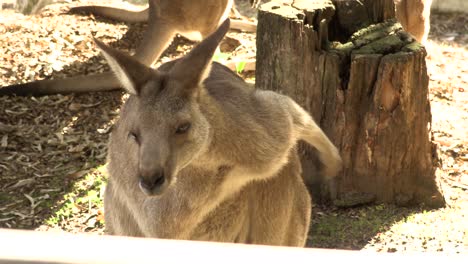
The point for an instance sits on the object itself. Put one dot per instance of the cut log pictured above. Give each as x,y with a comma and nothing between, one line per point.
369,94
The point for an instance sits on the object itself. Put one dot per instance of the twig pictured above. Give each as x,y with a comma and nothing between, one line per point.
455,183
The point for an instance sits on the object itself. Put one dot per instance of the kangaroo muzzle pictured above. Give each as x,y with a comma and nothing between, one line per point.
153,183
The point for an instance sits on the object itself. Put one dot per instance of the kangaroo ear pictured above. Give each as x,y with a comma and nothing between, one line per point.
131,73
195,67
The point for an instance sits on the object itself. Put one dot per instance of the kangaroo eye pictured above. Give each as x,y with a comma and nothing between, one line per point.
134,137
183,128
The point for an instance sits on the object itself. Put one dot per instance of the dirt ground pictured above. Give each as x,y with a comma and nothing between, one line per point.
53,148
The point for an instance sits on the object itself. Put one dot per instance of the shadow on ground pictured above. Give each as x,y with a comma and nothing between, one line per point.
353,228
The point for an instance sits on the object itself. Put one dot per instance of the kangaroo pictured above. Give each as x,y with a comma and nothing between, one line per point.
198,154
414,17
194,19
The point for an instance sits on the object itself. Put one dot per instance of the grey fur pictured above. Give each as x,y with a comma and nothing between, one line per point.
233,176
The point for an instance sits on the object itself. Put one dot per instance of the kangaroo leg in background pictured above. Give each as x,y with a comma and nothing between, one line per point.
414,17
152,46
142,16
145,52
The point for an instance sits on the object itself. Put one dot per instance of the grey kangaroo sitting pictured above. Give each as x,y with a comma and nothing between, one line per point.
198,154
194,19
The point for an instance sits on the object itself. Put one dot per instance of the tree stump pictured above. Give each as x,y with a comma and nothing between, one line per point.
364,80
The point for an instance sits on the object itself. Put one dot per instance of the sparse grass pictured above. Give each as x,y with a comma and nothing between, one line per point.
351,228
222,57
441,230
386,228
85,198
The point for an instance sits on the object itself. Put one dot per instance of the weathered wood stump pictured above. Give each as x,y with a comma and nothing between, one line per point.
369,93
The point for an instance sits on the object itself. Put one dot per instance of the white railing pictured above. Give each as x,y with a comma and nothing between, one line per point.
55,247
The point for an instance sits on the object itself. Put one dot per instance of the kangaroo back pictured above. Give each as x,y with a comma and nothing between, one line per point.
198,154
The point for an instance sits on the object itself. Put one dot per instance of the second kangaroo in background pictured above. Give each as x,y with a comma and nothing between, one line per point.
198,154
194,19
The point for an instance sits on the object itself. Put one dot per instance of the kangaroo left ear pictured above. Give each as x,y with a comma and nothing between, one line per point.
131,73
195,67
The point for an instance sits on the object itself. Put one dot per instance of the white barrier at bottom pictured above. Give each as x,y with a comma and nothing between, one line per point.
19,246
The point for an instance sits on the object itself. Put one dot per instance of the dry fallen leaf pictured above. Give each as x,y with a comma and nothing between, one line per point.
4,141
77,175
22,183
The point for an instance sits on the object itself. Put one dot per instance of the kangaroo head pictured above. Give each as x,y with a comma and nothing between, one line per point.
161,123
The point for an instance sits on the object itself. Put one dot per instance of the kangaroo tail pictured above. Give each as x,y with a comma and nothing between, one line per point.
80,84
311,133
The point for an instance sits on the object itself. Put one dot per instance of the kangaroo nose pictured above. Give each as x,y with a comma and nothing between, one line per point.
151,184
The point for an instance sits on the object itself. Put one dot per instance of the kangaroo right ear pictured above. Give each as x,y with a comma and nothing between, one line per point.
131,73
196,65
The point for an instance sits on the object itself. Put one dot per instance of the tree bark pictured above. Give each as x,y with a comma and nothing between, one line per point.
369,93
